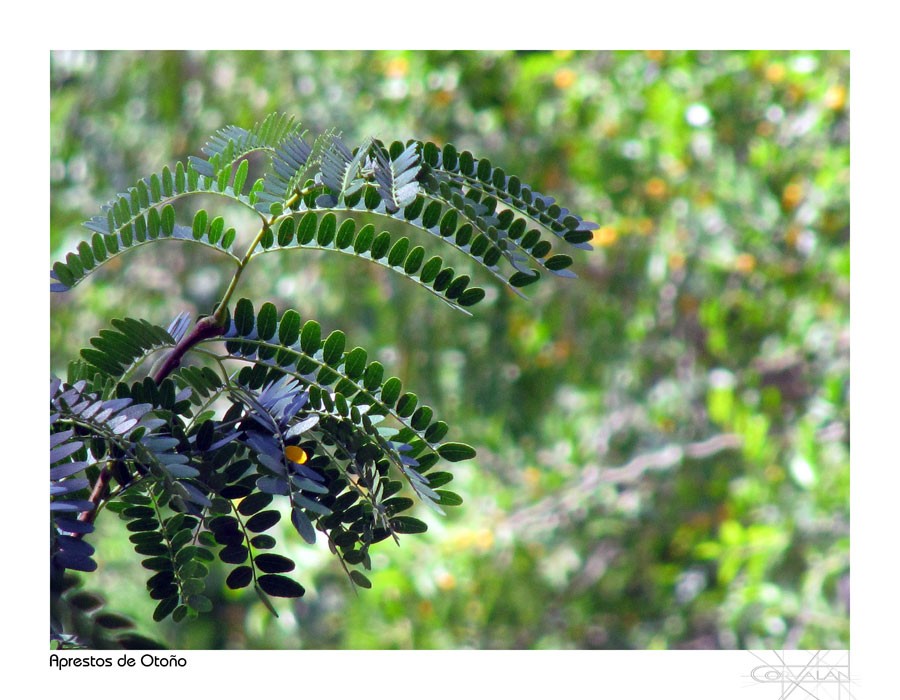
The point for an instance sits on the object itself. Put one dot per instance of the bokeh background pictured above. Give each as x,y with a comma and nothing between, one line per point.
663,443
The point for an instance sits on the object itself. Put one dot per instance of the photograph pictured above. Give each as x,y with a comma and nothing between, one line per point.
472,349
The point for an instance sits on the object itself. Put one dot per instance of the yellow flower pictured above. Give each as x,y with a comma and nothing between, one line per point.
656,188
532,476
397,67
745,263
792,195
775,72
836,97
296,454
446,581
605,236
644,225
564,78
484,540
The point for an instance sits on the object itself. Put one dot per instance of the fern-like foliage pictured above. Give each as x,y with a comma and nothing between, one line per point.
126,441
345,388
314,232
465,202
249,412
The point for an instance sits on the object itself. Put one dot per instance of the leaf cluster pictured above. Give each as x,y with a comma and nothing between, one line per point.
201,459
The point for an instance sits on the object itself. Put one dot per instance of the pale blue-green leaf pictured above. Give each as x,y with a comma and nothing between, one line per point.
310,504
64,451
308,485
181,471
57,438
302,426
65,470
275,465
272,485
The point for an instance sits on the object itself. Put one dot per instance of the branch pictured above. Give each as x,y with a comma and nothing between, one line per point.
207,327
560,508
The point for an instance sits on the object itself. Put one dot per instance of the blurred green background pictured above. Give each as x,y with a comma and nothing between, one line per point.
663,443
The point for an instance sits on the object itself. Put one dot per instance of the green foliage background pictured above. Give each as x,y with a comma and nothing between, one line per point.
663,443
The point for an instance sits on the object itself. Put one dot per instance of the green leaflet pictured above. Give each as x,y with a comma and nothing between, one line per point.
266,321
355,363
289,328
311,337
240,177
456,451
333,349
360,579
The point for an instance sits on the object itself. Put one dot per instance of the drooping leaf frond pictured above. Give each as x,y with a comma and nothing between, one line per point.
479,175
119,231
334,471
309,231
289,445
122,438
475,188
165,541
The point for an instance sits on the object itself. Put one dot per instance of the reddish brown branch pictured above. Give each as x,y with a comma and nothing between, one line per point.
206,328
99,492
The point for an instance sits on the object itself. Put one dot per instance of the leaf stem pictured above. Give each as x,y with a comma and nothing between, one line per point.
211,326
207,327
222,309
